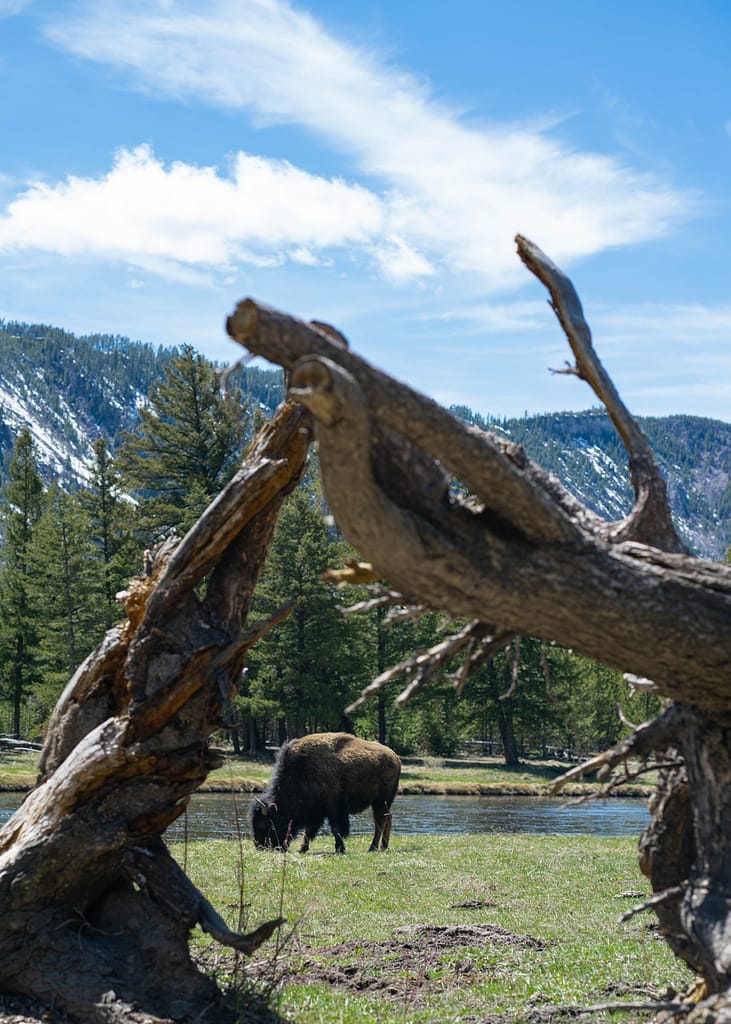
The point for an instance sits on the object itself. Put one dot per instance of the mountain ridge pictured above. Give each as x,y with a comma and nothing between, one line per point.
70,390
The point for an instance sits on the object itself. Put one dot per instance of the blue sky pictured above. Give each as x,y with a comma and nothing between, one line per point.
369,165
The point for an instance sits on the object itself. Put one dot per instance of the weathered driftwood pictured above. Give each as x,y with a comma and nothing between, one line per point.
522,556
95,914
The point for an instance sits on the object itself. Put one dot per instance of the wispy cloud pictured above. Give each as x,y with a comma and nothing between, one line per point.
438,195
494,317
684,321
8,8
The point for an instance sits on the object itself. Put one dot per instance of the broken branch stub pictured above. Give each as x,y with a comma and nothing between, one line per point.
650,520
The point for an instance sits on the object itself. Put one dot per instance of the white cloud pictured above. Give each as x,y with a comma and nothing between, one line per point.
494,317
169,219
685,322
304,255
400,262
452,196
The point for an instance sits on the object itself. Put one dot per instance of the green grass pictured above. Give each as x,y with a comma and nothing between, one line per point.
345,960
17,770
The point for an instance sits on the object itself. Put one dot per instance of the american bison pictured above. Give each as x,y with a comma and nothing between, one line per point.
326,775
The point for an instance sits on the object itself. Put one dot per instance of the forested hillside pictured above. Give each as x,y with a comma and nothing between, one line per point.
69,391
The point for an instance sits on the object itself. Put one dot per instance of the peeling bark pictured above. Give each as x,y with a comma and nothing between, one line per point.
96,914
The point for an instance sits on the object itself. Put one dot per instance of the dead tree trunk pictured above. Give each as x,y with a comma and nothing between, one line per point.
522,556
96,914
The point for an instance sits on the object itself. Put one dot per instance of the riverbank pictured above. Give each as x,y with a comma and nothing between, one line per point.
419,776
432,776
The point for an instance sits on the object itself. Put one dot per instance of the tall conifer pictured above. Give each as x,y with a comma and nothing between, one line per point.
186,448
63,595
22,505
112,521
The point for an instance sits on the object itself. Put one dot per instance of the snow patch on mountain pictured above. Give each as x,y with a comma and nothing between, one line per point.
56,454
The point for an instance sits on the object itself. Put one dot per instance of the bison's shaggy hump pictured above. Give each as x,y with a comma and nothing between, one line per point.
326,775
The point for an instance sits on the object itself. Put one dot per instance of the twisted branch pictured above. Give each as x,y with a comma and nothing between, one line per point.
650,521
521,547
645,740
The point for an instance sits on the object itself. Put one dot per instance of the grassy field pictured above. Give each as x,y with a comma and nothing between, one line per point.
499,929
17,771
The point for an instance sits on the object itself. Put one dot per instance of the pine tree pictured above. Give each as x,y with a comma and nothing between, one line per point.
307,669
22,505
112,532
64,595
186,448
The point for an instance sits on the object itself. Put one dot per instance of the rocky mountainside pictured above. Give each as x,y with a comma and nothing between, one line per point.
69,391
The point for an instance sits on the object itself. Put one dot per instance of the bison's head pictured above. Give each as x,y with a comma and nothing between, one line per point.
269,827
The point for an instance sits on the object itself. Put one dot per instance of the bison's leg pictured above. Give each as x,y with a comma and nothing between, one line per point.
385,838
311,828
340,824
382,822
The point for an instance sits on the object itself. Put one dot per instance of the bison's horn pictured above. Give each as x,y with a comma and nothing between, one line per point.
264,807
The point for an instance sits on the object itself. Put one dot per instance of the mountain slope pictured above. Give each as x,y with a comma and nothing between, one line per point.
584,451
69,391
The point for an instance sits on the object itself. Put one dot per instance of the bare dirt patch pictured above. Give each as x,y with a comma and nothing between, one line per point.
420,960
408,966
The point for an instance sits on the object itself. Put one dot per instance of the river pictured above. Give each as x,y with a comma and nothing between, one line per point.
215,816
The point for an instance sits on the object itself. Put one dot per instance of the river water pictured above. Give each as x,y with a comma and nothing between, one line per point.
223,816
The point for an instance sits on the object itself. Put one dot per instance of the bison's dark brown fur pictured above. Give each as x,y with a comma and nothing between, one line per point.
326,775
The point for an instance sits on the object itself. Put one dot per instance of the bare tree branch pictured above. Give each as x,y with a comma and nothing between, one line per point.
421,667
511,488
645,740
650,520
659,897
